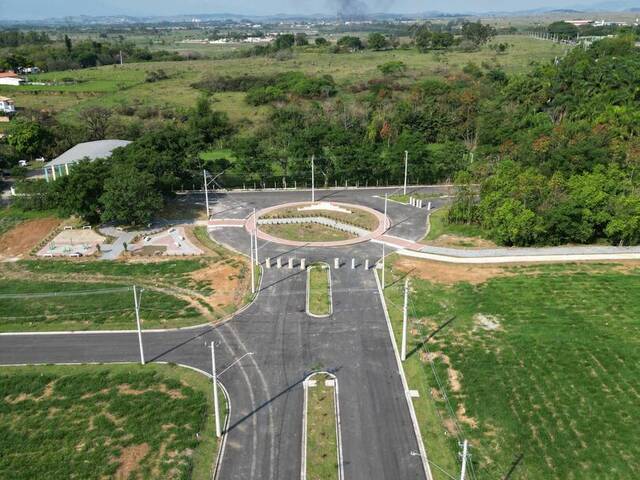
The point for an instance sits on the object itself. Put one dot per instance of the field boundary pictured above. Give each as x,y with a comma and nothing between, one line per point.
405,385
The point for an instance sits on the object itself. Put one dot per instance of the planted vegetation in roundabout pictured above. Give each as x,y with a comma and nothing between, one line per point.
329,223
99,421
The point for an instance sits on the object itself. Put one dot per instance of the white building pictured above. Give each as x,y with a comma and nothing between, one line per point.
7,106
59,167
10,78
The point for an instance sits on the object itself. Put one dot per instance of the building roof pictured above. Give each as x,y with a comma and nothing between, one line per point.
9,75
5,99
90,150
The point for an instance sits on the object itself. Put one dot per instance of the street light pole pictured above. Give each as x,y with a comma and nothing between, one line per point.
137,307
253,267
463,472
313,179
206,192
406,164
255,233
385,229
405,314
214,376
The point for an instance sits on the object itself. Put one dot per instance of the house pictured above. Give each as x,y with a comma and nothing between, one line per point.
59,167
7,106
10,78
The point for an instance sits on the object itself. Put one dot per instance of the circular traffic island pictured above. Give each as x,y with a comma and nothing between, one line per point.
329,224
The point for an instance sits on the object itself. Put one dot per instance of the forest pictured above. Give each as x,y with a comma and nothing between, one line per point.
543,158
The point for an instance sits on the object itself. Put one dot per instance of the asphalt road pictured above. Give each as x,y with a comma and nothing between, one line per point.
264,354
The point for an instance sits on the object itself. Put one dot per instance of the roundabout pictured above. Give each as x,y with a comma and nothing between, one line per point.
326,224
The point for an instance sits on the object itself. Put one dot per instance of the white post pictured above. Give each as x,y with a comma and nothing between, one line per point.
267,262
303,263
253,268
137,307
255,232
53,171
66,168
336,263
406,163
383,265
405,314
290,263
353,264
463,471
206,192
279,262
214,376
313,179
366,264
429,206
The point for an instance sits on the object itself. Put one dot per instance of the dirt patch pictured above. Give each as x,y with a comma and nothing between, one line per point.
225,281
125,389
487,322
456,241
22,238
129,460
449,273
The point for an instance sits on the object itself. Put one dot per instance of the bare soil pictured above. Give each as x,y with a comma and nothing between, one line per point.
448,273
130,459
22,238
457,241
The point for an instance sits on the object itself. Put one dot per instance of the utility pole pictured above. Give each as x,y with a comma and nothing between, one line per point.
405,315
137,307
253,267
121,60
406,163
463,472
214,376
385,229
313,179
206,192
255,232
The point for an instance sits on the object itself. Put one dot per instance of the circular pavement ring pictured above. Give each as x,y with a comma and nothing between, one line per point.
379,231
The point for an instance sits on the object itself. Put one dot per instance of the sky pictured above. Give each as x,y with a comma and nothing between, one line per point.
38,9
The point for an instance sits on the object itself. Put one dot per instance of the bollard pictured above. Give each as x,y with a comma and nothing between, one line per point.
366,264
353,263
290,263
336,263
279,262
419,203
267,262
429,206
303,263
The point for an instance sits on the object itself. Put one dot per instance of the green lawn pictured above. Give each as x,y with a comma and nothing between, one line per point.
440,226
357,217
28,305
319,290
544,362
306,232
87,422
322,445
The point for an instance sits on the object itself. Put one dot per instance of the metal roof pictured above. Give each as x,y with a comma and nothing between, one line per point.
90,150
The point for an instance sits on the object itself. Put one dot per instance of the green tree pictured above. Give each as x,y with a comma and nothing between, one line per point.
350,42
27,137
377,41
394,67
477,33
79,192
563,30
130,196
284,41
321,41
301,39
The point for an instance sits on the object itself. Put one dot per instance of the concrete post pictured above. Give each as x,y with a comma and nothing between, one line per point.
336,263
419,203
303,263
267,262
279,262
290,263
366,264
53,171
353,264
66,168
429,206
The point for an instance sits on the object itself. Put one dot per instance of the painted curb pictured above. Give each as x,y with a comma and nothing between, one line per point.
309,291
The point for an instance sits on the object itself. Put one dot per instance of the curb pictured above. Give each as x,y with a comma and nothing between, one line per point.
309,289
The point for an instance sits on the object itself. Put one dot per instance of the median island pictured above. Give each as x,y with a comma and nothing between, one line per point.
322,439
319,290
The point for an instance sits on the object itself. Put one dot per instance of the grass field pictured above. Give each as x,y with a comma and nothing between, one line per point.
10,217
319,293
464,235
46,305
114,86
94,422
357,217
541,361
322,454
306,232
